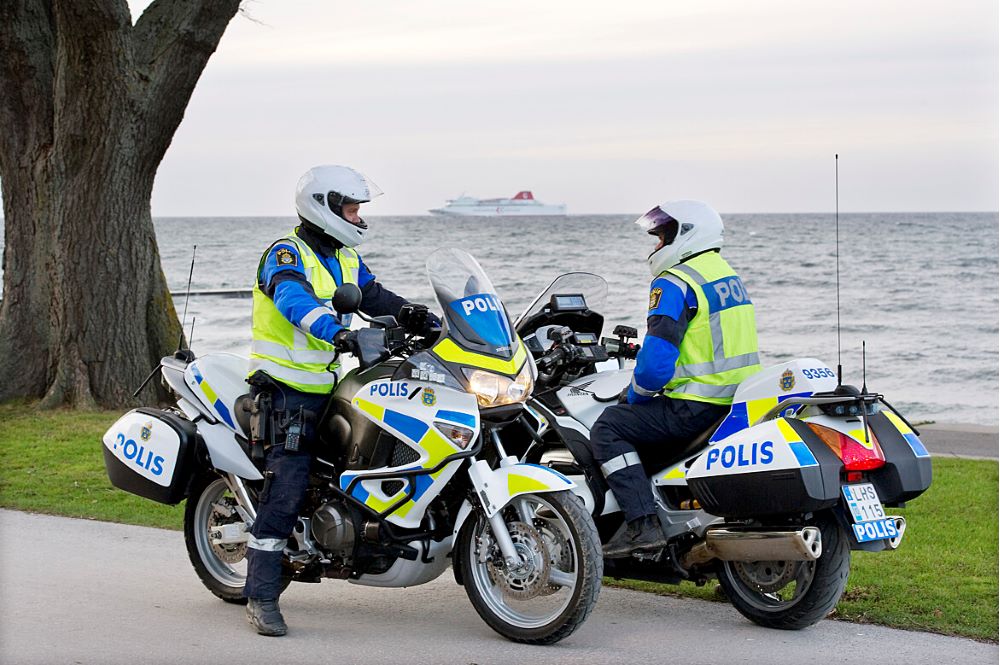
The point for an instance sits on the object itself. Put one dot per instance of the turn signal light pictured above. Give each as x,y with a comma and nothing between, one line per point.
855,455
460,436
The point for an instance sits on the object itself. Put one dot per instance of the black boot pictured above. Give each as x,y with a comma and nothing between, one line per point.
265,616
641,535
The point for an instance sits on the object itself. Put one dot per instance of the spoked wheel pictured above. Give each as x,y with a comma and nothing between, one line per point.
221,567
790,594
549,591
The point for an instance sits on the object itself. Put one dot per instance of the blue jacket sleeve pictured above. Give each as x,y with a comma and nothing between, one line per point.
376,300
283,279
669,303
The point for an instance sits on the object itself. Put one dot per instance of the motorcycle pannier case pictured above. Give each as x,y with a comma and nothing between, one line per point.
150,453
776,468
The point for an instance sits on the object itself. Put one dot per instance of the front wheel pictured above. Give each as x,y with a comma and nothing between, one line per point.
553,586
791,595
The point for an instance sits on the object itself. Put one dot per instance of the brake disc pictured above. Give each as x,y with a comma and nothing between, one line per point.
560,551
227,552
530,577
766,576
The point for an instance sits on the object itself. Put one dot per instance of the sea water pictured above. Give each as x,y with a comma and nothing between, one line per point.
919,289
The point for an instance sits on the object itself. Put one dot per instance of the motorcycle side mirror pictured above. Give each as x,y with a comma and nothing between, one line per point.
347,298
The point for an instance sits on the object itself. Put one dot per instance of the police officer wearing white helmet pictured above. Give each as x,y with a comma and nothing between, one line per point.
701,341
296,339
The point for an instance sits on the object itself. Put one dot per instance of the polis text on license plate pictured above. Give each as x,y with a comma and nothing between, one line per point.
870,522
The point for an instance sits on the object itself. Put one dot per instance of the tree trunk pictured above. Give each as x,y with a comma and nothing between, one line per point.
88,106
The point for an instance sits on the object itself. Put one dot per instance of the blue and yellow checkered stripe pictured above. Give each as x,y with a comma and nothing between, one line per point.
427,438
213,398
915,443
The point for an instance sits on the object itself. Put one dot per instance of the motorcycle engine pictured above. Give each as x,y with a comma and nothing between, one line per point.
333,528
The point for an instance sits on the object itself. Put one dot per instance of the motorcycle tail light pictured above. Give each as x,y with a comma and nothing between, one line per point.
855,455
855,476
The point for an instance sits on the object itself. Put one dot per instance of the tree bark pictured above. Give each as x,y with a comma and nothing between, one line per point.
88,107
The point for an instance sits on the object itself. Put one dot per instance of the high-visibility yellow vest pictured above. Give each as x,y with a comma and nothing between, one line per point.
719,349
286,352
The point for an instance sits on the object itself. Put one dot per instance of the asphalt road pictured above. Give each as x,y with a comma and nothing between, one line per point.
77,591
957,440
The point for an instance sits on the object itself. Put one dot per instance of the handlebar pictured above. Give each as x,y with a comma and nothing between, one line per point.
567,353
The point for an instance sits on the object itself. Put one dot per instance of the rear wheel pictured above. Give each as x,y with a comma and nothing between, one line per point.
551,590
222,568
791,595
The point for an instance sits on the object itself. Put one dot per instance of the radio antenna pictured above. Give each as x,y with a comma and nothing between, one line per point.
836,189
187,297
191,334
864,370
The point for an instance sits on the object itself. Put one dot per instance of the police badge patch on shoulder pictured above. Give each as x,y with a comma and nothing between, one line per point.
654,298
286,257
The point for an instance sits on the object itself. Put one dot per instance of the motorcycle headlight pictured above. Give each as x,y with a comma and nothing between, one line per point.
496,390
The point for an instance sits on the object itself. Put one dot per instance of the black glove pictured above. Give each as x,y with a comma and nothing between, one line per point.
413,318
346,341
432,329
416,319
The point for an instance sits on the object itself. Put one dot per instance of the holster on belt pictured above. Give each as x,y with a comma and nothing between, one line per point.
260,430
261,418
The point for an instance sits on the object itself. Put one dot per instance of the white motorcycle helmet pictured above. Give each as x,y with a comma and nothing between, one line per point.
324,190
686,228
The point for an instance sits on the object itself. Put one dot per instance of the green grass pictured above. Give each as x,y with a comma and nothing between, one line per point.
51,462
942,579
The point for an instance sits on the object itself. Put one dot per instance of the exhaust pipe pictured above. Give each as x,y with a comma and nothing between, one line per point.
802,544
893,543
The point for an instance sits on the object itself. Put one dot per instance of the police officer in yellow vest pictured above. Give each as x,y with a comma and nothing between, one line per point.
701,341
296,337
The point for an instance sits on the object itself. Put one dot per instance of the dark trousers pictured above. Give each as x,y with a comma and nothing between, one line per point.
279,504
629,439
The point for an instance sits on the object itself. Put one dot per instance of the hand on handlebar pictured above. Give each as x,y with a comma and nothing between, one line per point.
346,341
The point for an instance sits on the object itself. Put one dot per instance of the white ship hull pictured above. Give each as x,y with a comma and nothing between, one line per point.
511,210
522,205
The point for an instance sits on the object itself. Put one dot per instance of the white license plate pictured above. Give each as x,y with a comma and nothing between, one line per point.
863,502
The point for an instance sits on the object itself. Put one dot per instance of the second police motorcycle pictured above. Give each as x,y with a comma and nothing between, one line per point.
412,475
771,500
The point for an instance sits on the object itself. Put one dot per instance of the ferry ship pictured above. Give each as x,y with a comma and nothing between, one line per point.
523,204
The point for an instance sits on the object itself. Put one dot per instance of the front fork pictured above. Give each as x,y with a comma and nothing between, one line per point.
479,473
497,488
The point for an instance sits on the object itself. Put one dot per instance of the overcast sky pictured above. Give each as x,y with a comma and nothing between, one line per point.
610,107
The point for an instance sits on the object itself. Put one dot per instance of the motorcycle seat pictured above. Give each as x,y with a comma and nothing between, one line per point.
695,445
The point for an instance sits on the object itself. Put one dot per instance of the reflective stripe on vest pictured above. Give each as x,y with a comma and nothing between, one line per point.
695,390
289,353
724,321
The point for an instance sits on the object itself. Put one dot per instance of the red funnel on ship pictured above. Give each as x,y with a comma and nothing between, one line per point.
524,196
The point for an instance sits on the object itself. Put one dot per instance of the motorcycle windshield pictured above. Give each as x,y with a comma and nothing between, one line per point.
474,316
593,288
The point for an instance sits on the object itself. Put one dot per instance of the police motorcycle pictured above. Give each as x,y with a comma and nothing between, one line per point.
412,474
771,500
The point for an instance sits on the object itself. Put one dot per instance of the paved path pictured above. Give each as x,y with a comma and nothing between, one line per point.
956,440
76,591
